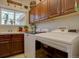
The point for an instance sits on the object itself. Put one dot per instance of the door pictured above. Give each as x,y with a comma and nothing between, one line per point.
53,8
68,6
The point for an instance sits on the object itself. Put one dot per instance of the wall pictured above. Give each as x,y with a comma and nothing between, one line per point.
37,1
68,22
4,28
3,3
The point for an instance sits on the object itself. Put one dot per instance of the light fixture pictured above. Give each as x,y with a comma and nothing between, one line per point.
32,4
26,7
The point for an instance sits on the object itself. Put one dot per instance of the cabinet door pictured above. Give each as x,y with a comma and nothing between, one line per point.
4,49
53,8
4,38
32,15
17,43
44,10
39,11
4,45
17,47
35,14
36,11
68,6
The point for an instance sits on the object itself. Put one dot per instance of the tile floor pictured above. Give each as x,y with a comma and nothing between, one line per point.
39,54
17,56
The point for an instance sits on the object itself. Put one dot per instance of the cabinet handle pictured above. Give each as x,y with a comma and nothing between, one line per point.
62,10
58,10
4,42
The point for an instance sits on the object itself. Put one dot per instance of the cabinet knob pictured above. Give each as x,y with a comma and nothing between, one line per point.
62,10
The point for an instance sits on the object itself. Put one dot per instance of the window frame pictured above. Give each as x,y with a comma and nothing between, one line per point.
14,11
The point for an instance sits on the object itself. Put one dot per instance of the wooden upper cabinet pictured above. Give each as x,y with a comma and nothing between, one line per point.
53,8
67,6
44,10
37,13
32,15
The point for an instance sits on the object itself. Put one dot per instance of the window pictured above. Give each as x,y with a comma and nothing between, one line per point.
19,17
11,17
7,16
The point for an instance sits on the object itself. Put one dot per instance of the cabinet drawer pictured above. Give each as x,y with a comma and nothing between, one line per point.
16,37
4,37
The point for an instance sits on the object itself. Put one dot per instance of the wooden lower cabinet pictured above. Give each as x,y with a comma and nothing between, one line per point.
17,47
11,44
17,44
4,49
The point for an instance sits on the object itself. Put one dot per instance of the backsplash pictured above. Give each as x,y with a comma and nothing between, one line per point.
4,28
68,22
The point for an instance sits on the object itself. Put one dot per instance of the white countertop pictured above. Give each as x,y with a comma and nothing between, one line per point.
2,33
61,37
